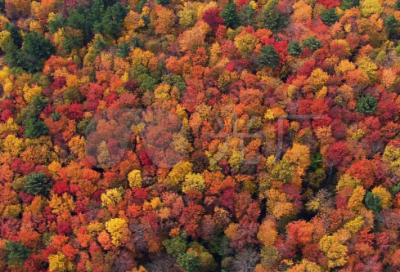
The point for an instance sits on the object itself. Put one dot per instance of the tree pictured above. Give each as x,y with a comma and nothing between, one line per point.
268,57
373,202
230,15
272,18
212,17
348,4
36,50
367,104
329,17
312,43
16,252
294,48
189,262
163,2
37,184
391,24
34,128
246,15
111,22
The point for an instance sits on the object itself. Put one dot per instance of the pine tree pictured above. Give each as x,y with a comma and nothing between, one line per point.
16,252
329,17
37,184
294,48
269,57
230,15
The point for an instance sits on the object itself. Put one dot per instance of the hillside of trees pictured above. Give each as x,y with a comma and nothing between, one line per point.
199,136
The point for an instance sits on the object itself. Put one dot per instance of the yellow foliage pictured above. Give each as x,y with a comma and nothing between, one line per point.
369,7
318,78
355,225
30,93
13,145
59,204
5,38
334,251
300,156
115,227
111,197
177,175
77,146
391,155
59,263
193,181
356,198
347,181
133,21
302,11
345,66
277,203
135,179
245,43
162,92
386,197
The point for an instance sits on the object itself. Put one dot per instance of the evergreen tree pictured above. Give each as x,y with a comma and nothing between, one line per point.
348,4
123,50
272,18
37,184
373,202
329,17
294,48
34,128
15,33
246,15
269,57
312,43
367,104
230,15
189,262
391,24
59,22
36,50
16,252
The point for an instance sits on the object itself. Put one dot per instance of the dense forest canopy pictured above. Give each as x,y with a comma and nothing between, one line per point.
199,136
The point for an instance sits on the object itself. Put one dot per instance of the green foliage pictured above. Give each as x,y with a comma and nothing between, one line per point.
111,22
123,50
268,57
367,104
55,116
246,15
72,95
230,15
16,252
176,246
59,22
164,2
140,5
294,48
398,5
36,106
347,4
37,184
82,19
329,17
15,34
373,202
312,43
189,262
272,18
34,128
391,25
220,246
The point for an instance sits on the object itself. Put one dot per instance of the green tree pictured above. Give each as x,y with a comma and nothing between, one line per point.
59,21
366,104
391,25
15,33
123,50
37,184
176,246
163,2
312,43
272,18
294,48
268,57
230,15
111,22
34,128
246,15
373,202
329,17
36,50
189,262
16,252
348,4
